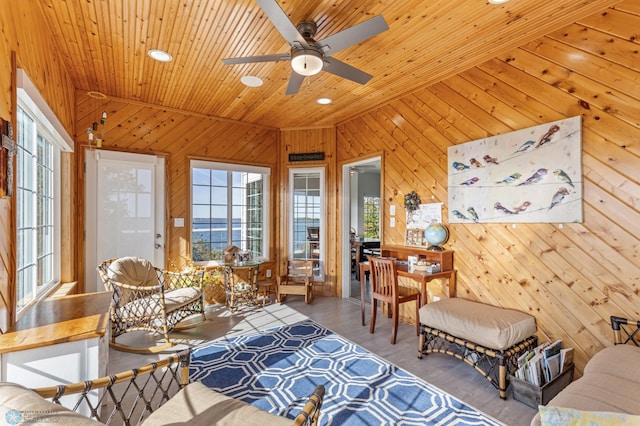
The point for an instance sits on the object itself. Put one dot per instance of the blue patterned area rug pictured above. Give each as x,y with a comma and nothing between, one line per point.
276,370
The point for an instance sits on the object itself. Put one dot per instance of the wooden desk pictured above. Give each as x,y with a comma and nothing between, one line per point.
402,270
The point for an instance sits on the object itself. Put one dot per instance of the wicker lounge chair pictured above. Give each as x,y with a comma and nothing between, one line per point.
148,298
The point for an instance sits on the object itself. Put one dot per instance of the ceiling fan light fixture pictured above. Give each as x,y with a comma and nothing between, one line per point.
306,61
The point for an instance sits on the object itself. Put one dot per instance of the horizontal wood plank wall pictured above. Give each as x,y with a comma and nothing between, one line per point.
21,26
311,140
179,136
571,278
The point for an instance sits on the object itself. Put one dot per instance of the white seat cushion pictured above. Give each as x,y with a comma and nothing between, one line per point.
486,325
133,271
174,299
197,405
23,406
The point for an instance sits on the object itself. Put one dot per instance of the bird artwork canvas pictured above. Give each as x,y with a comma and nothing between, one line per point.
533,175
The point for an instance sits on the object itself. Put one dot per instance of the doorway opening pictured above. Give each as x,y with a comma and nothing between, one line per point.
362,220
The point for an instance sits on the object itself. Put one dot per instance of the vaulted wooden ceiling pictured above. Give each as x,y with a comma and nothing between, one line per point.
104,45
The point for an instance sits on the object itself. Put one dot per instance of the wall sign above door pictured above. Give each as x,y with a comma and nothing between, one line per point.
307,156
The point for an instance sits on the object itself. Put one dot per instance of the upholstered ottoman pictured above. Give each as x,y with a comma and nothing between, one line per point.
486,337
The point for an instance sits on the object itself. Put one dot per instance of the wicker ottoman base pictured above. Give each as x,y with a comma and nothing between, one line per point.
493,364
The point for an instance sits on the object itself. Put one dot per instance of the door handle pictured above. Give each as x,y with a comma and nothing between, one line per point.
158,246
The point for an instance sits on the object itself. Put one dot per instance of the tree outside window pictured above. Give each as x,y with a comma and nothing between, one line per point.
371,217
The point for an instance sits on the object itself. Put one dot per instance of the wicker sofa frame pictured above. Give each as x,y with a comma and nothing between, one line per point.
625,331
128,398
147,307
493,364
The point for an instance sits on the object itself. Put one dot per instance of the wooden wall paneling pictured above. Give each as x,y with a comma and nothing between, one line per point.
630,6
497,115
615,182
312,140
68,215
178,136
514,283
591,93
571,278
619,23
560,48
26,44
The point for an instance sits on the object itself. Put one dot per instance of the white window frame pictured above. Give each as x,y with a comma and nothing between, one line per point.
49,127
266,216
318,274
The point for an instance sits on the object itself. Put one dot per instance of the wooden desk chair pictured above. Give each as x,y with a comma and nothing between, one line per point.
385,288
297,281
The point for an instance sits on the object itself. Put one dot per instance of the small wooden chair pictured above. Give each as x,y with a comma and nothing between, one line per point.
297,281
384,287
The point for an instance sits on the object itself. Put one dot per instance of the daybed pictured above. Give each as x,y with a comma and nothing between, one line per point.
610,383
155,394
486,337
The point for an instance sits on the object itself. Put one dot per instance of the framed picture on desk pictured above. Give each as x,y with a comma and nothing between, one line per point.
415,238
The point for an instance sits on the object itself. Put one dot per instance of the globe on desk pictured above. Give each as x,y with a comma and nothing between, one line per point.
436,234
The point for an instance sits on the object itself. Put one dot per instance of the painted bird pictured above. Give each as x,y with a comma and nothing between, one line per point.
525,146
459,215
498,206
470,181
558,197
459,166
535,178
511,178
547,136
561,176
476,163
473,214
522,207
490,160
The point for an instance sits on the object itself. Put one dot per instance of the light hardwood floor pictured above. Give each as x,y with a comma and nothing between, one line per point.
343,317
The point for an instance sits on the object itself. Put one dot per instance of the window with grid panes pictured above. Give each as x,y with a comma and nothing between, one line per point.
228,208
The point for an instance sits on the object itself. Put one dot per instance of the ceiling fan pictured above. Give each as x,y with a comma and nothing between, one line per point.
308,56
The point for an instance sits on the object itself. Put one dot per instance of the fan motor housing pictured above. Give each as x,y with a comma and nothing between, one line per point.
307,29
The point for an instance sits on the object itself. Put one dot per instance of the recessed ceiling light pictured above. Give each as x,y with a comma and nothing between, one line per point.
324,101
160,55
498,1
251,81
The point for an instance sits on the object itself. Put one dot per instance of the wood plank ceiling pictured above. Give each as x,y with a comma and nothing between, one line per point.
104,46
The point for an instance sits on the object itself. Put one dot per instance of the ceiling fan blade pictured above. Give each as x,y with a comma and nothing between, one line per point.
282,22
295,81
353,35
343,70
264,58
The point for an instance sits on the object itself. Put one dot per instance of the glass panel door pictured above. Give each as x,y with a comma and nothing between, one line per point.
307,202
